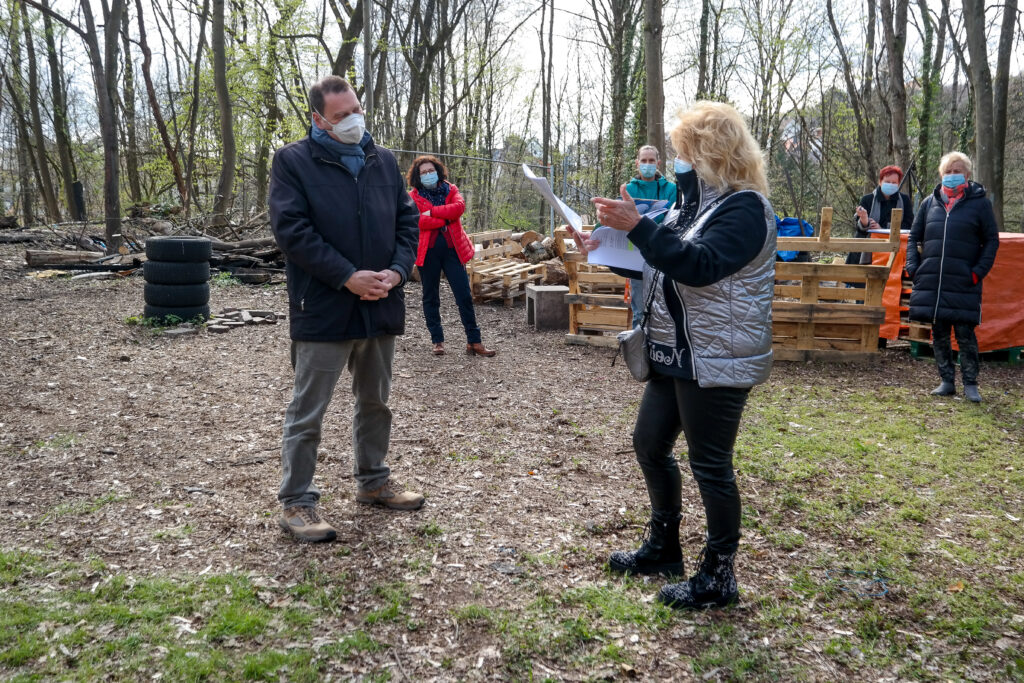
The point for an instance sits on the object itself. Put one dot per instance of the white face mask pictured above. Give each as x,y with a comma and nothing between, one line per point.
349,130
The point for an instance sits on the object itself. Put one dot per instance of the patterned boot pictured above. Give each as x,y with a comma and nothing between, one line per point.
714,584
659,552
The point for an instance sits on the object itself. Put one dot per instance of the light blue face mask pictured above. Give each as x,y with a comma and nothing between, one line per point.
682,166
889,189
647,170
952,180
429,180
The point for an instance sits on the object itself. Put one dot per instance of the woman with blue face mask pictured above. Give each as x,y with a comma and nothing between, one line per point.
648,183
443,247
951,248
875,209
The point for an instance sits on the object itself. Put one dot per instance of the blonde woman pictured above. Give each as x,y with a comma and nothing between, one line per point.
957,235
710,272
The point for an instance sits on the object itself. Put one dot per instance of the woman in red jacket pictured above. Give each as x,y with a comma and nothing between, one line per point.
443,246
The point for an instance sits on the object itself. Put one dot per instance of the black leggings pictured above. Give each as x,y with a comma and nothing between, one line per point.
710,419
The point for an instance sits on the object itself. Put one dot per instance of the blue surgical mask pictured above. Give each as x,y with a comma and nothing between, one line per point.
889,189
429,180
682,166
952,180
648,170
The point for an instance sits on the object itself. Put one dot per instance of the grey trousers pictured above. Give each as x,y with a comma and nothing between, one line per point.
318,366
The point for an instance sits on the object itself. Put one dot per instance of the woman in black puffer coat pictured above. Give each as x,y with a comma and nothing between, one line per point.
951,248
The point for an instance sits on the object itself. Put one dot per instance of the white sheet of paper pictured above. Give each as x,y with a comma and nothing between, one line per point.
616,250
541,184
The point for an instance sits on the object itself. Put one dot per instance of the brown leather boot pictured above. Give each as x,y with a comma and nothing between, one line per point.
479,349
439,349
306,525
391,496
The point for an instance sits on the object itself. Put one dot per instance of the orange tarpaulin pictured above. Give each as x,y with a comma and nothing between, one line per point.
1002,300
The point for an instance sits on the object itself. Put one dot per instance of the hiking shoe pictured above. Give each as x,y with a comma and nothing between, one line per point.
971,393
714,584
389,497
306,526
944,389
659,551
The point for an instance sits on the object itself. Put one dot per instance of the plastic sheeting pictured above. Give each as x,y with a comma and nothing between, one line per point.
1002,300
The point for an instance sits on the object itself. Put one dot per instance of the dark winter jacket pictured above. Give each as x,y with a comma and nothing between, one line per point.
329,224
885,207
957,249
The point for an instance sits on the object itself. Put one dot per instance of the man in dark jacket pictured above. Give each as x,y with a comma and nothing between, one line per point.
341,215
957,235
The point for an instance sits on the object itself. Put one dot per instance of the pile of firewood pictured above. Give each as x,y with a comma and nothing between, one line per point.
538,249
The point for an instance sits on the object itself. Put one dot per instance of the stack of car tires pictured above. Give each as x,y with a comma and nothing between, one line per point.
177,273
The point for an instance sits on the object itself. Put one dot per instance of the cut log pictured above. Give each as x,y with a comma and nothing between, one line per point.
555,273
260,243
525,238
36,258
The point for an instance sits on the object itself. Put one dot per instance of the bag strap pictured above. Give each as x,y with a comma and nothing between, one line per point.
650,302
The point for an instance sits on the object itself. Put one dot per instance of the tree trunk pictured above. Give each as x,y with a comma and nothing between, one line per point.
131,152
193,112
981,82
702,49
61,134
894,27
931,83
1000,95
154,104
653,29
860,98
225,185
42,165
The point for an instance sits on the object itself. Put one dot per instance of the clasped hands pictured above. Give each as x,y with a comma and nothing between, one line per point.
620,214
372,285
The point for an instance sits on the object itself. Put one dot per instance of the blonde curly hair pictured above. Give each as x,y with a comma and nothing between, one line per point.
949,158
716,140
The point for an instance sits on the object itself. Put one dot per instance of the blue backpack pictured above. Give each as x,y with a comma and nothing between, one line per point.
792,227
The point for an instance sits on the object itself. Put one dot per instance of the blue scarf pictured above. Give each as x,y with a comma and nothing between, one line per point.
438,195
352,156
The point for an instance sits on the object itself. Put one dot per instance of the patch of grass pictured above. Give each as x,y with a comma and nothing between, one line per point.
224,279
430,530
395,596
83,507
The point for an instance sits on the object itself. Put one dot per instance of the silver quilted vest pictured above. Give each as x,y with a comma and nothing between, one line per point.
728,324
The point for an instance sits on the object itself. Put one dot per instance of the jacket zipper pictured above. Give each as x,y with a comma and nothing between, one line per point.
942,258
359,210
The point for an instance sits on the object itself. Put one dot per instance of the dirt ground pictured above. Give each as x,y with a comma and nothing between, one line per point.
526,453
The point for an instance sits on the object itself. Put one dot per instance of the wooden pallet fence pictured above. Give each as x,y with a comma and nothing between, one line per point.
598,309
830,311
494,275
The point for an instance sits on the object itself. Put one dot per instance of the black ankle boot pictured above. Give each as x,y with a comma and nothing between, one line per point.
714,584
659,553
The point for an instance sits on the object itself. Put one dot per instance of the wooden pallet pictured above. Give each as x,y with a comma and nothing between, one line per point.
493,274
598,307
504,280
816,315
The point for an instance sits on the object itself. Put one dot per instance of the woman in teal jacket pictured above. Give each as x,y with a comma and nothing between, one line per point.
648,183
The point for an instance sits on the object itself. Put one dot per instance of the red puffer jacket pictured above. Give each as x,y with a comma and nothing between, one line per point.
447,214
